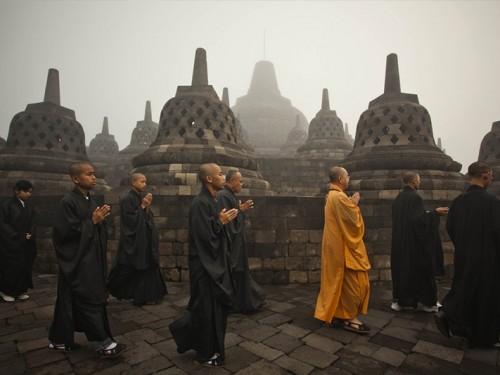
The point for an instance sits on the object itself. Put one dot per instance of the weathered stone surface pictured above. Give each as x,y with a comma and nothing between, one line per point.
237,358
438,351
389,356
262,367
293,330
307,352
293,365
359,365
323,343
259,333
261,350
314,357
283,342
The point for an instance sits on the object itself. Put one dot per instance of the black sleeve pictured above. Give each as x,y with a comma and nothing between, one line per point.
6,229
450,222
236,226
73,236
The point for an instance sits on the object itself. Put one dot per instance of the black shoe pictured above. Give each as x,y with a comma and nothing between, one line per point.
442,324
215,361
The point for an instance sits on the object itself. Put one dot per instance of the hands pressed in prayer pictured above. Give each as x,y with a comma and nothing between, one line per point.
355,198
100,213
246,205
442,211
226,216
147,200
28,236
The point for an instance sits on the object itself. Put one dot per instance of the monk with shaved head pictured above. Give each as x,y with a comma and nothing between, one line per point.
80,242
345,287
136,272
203,326
416,250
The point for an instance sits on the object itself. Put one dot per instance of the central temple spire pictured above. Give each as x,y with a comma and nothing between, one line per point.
264,79
392,84
325,101
200,74
52,93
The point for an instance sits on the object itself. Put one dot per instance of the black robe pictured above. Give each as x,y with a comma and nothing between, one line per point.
248,295
203,326
472,306
17,253
80,247
136,273
415,247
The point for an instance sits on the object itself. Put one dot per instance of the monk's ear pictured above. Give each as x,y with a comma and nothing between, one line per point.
209,179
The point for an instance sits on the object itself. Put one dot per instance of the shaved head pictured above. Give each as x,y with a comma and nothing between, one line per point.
76,168
206,170
336,173
409,176
231,173
136,176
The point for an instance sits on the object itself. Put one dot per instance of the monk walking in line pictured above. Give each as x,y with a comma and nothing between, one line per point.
345,286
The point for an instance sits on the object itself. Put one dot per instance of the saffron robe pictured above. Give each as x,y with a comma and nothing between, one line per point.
345,286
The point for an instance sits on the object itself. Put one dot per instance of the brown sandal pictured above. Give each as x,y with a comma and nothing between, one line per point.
359,328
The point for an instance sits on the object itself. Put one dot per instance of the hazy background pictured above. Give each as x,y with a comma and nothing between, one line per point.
114,55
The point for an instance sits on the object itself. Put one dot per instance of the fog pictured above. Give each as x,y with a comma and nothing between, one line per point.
115,55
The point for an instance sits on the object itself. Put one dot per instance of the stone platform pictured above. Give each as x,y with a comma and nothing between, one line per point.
283,338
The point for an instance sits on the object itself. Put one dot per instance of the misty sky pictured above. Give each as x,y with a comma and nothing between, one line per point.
114,55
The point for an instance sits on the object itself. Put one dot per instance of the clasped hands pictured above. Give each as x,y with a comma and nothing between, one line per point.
101,213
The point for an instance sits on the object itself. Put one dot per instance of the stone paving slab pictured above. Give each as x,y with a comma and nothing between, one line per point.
282,338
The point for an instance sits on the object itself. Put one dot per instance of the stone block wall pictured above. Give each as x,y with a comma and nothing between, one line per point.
283,234
296,177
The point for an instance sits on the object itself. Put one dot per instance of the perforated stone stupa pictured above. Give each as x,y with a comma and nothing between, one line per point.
242,134
266,115
43,141
490,153
103,148
295,139
393,135
196,127
326,137
143,135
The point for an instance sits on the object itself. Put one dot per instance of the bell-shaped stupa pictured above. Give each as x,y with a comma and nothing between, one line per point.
43,141
295,139
490,154
326,137
103,148
265,114
395,135
143,135
196,127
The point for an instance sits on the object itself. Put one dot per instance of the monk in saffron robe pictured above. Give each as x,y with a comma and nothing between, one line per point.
345,286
